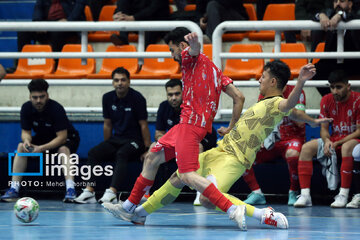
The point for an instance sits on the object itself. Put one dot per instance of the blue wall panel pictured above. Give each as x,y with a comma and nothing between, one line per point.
16,10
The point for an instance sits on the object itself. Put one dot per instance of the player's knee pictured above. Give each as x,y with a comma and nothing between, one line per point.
292,153
356,153
308,150
347,148
152,160
185,178
176,181
64,150
205,202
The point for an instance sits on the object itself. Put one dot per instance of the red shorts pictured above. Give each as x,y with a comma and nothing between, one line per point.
182,142
279,150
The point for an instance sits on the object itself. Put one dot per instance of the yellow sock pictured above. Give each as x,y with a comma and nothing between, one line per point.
249,208
161,197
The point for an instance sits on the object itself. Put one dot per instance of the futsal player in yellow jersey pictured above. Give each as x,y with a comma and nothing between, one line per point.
236,152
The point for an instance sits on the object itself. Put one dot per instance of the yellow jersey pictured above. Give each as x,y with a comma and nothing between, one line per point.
245,138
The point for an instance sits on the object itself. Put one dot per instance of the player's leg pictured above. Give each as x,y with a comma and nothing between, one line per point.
145,181
19,166
160,198
292,153
346,173
166,194
305,169
64,155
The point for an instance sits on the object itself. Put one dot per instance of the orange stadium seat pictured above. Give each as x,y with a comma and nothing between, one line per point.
250,9
88,14
319,48
190,7
274,12
232,37
109,64
244,69
208,50
157,68
72,67
295,64
106,14
33,67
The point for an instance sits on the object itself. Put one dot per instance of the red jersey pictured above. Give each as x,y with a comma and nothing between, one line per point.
346,115
202,85
288,128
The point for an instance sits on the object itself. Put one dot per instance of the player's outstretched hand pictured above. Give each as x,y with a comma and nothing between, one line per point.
307,72
319,121
193,40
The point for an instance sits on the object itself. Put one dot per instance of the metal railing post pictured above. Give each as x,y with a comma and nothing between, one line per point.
84,43
340,43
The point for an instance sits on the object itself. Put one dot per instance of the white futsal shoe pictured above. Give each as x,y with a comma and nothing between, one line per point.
275,219
303,201
86,197
109,196
340,201
355,202
119,212
238,216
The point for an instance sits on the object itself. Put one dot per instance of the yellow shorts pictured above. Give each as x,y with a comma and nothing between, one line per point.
226,168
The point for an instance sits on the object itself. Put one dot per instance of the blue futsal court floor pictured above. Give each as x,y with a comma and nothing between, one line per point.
58,220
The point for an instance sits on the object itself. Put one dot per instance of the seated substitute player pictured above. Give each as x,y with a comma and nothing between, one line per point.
53,133
202,86
225,164
168,115
343,105
126,135
292,137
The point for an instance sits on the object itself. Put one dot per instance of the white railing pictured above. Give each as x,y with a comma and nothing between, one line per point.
280,26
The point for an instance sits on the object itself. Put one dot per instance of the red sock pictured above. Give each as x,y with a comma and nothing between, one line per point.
346,171
217,198
293,172
305,169
250,179
141,186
